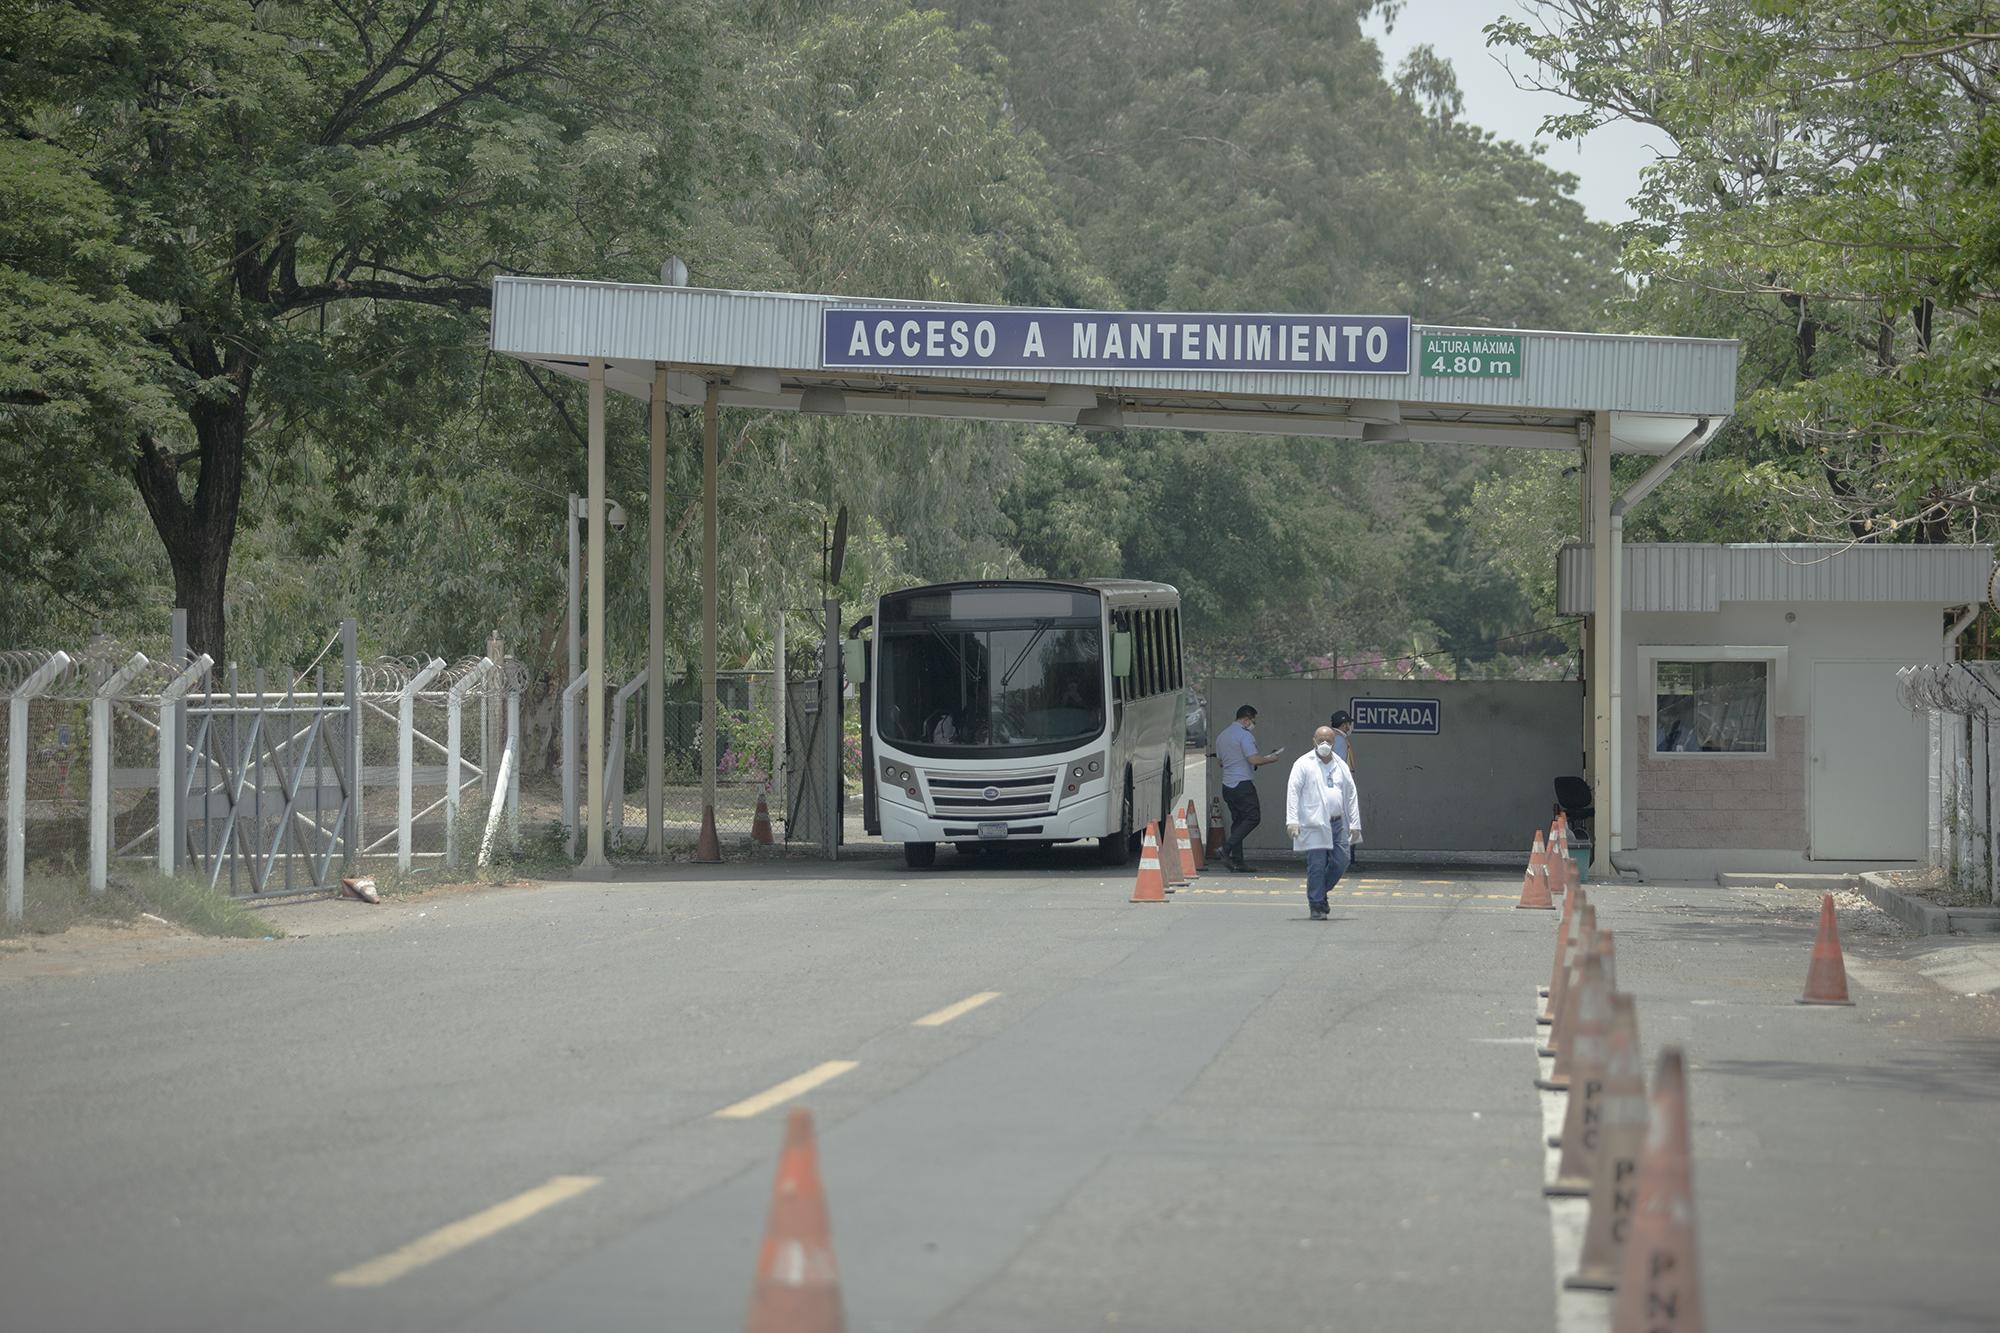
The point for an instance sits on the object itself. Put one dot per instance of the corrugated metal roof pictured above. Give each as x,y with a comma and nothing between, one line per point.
1688,577
564,324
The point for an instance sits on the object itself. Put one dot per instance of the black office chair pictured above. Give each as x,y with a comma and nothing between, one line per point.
1573,800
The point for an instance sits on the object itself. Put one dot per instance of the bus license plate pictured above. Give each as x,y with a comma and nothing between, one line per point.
992,830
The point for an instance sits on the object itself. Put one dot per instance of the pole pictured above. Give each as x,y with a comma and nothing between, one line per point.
709,847
780,770
656,630
593,843
166,841
351,665
100,770
170,848
406,760
1605,596
830,729
18,746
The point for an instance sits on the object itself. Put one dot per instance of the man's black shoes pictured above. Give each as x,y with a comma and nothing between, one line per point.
1242,869
1319,913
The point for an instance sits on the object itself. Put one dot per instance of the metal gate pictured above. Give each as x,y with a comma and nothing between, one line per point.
814,806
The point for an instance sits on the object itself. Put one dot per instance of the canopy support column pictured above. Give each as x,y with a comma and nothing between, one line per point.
656,630
1606,593
593,842
709,847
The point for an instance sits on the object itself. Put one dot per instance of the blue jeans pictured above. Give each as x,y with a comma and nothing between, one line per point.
1324,867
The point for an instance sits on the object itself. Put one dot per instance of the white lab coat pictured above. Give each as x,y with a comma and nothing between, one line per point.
1314,806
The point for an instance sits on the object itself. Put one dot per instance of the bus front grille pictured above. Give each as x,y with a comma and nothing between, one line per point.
991,798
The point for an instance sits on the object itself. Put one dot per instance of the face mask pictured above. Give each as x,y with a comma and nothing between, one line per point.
1325,749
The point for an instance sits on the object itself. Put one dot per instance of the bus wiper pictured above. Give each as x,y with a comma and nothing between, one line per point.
948,646
1041,628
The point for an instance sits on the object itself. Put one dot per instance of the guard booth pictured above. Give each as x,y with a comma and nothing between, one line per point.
1379,378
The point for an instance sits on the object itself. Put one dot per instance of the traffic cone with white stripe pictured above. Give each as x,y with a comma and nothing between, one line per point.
1193,826
1559,1031
797,1289
1535,889
1151,886
1614,1180
1567,940
1170,856
760,823
1183,846
1215,834
1538,855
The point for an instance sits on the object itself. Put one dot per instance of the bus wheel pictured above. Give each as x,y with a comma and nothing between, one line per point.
1116,850
920,855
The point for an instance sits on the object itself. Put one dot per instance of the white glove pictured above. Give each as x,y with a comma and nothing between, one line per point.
1293,829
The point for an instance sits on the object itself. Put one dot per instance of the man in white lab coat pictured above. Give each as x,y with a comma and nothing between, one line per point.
1323,815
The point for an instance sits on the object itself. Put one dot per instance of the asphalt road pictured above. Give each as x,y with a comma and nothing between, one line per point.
1211,1114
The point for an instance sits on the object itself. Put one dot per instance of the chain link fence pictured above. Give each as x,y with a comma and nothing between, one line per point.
1962,700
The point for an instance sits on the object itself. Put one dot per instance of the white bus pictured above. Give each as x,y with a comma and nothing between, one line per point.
1023,712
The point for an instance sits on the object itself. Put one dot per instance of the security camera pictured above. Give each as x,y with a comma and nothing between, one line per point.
614,516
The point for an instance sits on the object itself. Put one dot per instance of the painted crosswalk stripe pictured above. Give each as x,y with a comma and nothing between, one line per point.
447,1240
959,1010
784,1092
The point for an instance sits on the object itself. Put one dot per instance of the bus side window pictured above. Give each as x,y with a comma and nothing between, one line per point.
1174,646
1142,681
1162,664
1121,686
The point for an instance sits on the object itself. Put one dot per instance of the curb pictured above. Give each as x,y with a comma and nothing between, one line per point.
1919,914
1737,879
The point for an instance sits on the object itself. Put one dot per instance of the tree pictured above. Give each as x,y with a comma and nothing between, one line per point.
314,198
1831,193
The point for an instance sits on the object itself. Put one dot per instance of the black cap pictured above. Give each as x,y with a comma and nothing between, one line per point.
1340,719
1245,711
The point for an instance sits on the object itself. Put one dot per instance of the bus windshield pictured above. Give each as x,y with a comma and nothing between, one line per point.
1029,683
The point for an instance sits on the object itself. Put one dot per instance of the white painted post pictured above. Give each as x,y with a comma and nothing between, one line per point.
571,818
454,708
100,770
509,771
593,841
18,745
167,849
656,630
406,757
613,804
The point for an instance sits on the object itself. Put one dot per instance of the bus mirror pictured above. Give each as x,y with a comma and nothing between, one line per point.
1121,653
854,654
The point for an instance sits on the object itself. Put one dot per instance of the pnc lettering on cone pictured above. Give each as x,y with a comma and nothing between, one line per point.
797,1289
1659,1284
1614,1180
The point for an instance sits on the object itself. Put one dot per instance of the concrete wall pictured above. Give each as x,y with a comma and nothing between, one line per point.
1695,815
1481,786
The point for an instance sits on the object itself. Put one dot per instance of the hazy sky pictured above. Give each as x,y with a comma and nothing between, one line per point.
1606,163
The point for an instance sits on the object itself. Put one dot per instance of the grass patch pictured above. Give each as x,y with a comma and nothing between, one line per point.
54,899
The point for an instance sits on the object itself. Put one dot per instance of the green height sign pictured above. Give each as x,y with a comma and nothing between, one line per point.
1474,355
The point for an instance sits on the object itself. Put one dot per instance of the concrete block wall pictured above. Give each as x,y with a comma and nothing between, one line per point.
1704,801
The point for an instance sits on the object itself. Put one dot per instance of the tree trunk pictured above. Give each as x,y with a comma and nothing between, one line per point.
199,531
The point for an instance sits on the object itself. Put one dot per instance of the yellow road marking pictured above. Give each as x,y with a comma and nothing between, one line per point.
450,1239
963,1007
784,1092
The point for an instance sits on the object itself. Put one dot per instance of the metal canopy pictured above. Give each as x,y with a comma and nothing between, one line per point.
763,350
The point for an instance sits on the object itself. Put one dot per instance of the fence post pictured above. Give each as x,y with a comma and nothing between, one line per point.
571,820
614,767
167,850
351,662
454,705
17,780
406,757
514,774
489,718
179,653
100,770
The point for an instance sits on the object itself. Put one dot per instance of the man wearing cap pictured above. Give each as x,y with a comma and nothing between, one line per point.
1236,750
1342,723
1323,815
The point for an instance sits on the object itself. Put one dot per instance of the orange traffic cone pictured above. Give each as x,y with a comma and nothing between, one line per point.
1170,855
1589,977
1193,825
1570,904
1535,889
1826,979
798,1286
1559,1031
1621,1134
1215,835
1659,1284
760,824
1151,888
1569,951
1562,870
1538,856
1186,853
708,847
1588,1053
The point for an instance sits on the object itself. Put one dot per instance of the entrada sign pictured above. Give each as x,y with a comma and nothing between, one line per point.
1396,717
927,338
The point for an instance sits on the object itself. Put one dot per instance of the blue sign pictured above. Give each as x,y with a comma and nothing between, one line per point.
930,338
1396,717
